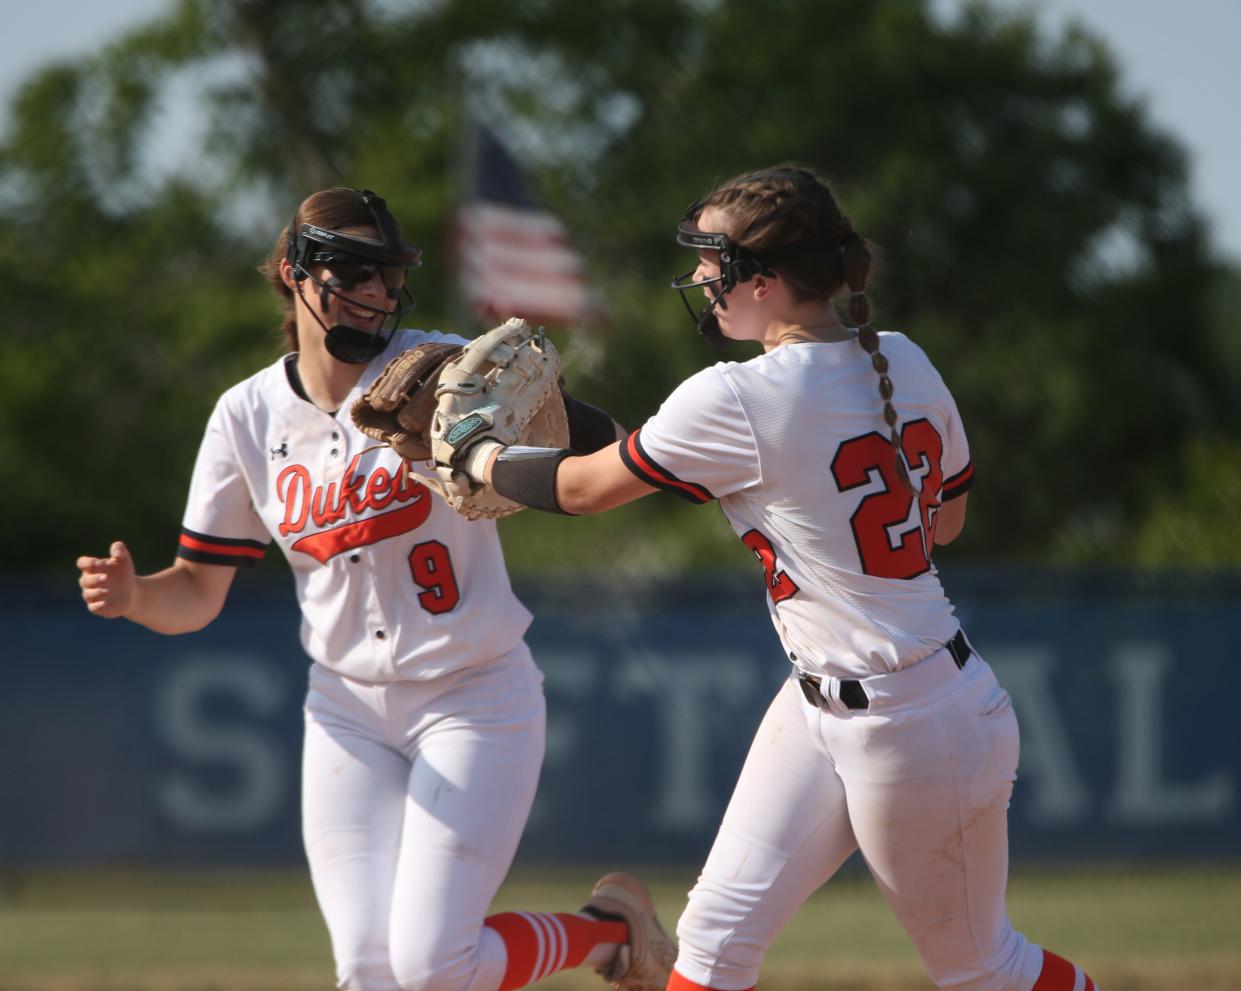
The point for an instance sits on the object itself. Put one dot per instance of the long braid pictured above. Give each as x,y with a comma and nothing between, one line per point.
855,259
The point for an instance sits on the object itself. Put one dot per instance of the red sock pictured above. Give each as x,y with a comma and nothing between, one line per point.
1059,974
541,943
678,983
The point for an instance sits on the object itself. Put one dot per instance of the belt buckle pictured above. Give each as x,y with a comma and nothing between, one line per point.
959,648
852,695
810,688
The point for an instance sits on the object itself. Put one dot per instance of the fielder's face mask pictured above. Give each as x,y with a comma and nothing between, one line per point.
737,266
350,260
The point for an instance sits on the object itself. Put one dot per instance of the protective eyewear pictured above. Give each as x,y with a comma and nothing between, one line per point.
690,236
350,270
352,259
737,265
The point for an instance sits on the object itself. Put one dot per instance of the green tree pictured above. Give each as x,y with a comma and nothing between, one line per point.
1035,230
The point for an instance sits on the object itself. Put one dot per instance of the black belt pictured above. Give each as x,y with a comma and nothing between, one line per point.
853,695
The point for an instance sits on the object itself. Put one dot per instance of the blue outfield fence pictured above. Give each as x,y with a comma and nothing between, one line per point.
121,745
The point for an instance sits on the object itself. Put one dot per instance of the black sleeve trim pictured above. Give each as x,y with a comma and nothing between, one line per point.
958,484
205,549
636,459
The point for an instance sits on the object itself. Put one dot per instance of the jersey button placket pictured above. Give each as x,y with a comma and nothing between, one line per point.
382,633
336,453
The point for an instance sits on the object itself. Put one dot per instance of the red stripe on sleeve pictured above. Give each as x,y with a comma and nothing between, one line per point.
226,550
959,482
657,476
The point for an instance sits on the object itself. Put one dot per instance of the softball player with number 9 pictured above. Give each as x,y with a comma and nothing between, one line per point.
891,734
425,713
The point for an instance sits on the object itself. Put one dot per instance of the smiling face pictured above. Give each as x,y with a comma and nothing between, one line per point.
364,307
358,298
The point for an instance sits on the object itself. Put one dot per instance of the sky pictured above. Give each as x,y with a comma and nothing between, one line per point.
1180,59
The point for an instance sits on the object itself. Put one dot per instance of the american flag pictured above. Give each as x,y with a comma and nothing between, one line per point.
514,257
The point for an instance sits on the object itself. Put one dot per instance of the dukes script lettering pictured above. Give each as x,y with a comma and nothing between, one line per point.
326,505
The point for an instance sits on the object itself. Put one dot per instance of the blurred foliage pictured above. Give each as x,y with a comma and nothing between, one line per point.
1035,230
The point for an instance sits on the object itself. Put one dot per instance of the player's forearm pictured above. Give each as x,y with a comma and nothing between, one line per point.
950,520
554,481
597,483
175,600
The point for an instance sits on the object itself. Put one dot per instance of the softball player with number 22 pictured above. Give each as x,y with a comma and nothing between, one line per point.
891,734
425,712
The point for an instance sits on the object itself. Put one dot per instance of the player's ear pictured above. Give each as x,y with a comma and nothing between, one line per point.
286,274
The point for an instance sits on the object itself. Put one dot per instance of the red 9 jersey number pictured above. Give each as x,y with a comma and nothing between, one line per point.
906,554
431,569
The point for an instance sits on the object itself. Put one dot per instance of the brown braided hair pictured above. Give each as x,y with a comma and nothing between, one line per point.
791,207
333,209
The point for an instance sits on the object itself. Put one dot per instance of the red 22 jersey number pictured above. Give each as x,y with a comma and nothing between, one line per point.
779,584
890,506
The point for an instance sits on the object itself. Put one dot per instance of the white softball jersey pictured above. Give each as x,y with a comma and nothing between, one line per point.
392,583
793,445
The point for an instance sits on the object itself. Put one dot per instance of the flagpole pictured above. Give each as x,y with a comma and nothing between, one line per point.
465,158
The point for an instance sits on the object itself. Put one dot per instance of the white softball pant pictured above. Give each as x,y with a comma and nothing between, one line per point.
920,783
414,797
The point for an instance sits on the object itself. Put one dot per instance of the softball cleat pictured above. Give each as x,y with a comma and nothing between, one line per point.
645,962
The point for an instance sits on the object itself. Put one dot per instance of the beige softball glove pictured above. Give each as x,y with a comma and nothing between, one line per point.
504,387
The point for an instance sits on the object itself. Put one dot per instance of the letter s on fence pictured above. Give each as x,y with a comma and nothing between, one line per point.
251,752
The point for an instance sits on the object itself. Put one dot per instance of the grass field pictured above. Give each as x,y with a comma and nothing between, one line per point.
1142,929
